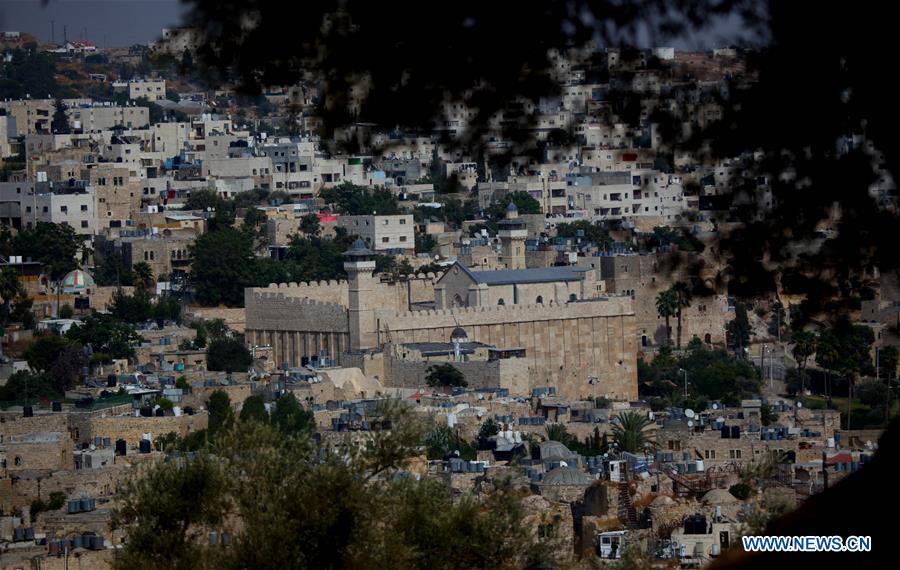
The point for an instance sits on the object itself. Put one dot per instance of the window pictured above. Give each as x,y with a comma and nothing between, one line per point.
84,207
501,302
674,445
64,209
84,223
710,453
385,240
539,300
403,238
734,453
402,221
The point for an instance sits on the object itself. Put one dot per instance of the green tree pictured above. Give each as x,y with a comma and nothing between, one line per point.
593,233
310,226
845,350
66,311
228,354
289,417
175,503
10,290
523,201
425,243
352,200
887,362
53,245
739,329
307,507
777,320
804,347
135,308
682,293
445,375
60,122
488,429
667,307
442,442
254,410
222,267
113,271
107,335
221,414
630,431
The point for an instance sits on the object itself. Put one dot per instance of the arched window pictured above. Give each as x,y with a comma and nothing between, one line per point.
539,300
501,302
457,301
708,338
573,297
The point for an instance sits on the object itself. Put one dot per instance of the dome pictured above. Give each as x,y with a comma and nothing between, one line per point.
554,450
511,207
566,476
359,250
459,333
77,280
718,497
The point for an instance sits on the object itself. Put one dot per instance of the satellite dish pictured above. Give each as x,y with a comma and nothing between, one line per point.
799,404
690,423
715,406
689,413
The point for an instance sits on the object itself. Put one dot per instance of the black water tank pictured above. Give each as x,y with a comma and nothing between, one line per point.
160,412
735,432
121,447
189,410
146,412
27,412
111,381
57,406
145,446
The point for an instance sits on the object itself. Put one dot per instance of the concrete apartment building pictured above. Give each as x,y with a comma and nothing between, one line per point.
31,116
382,233
103,117
76,209
118,197
152,90
164,254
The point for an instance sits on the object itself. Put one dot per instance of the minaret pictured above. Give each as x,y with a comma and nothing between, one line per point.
360,268
512,234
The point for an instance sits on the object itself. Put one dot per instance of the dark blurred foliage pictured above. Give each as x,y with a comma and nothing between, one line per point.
483,55
785,119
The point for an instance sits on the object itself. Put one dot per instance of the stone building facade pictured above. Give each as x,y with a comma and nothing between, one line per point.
583,346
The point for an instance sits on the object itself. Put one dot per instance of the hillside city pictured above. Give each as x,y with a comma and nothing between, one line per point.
233,337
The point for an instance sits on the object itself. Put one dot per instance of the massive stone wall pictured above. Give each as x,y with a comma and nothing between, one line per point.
511,373
565,344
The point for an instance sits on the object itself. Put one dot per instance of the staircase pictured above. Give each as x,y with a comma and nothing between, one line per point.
626,513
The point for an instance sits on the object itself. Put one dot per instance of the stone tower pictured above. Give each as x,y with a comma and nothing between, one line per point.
512,234
360,268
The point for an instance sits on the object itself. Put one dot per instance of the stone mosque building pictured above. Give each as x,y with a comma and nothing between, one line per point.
518,329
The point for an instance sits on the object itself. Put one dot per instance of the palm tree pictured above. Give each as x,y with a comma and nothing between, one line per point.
682,301
143,275
804,347
666,306
629,429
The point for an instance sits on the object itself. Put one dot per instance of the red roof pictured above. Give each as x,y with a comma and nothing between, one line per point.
839,458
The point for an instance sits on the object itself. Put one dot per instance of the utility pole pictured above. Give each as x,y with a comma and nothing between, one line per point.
52,31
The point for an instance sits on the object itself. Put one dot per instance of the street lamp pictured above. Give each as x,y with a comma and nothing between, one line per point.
683,371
